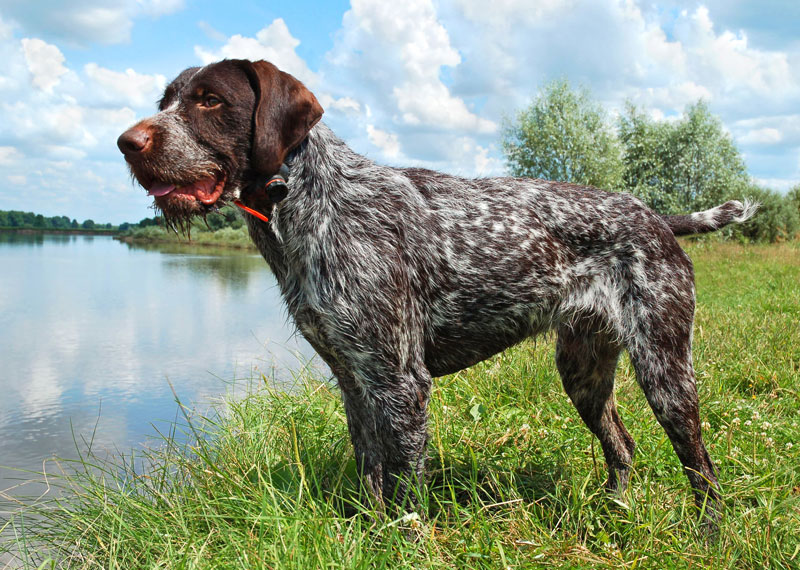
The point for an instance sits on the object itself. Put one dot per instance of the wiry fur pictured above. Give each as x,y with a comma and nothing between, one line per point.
395,275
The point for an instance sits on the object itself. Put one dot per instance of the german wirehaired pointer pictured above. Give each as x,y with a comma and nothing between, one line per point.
396,275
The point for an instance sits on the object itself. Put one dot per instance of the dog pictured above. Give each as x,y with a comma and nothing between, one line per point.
398,275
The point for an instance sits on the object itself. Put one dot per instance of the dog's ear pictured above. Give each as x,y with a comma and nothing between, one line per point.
285,111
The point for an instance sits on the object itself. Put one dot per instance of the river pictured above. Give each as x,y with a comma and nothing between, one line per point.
93,332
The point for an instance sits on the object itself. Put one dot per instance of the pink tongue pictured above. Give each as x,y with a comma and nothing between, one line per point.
160,189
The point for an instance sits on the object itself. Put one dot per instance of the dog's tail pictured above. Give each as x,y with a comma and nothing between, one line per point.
713,219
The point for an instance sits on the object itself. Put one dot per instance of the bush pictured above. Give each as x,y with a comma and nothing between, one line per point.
778,218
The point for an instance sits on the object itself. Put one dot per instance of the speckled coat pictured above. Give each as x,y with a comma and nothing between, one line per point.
396,275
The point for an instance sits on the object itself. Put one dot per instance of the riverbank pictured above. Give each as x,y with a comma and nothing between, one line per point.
225,237
515,478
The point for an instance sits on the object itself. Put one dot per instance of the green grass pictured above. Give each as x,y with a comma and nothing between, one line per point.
515,478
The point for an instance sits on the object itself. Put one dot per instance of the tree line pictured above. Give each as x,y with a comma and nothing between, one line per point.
30,220
674,166
15,219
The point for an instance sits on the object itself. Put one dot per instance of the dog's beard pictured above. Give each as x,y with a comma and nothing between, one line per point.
189,197
178,214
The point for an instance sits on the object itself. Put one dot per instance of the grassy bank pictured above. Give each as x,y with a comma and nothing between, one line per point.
225,237
515,479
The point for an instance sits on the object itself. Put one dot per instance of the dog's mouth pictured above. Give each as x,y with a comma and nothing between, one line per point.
180,202
206,191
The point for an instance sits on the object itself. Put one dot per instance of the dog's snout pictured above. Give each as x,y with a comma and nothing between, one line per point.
134,141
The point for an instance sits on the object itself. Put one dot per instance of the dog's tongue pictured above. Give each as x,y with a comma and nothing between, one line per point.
160,189
206,190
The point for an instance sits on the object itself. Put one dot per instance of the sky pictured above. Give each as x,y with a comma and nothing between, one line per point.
416,82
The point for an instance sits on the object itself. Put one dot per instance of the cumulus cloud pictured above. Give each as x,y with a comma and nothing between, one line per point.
402,49
387,142
82,22
128,87
274,43
45,62
727,62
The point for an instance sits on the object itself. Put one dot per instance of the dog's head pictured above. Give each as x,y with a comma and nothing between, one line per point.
218,129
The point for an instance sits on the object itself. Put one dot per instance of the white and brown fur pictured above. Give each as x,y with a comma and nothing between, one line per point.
398,275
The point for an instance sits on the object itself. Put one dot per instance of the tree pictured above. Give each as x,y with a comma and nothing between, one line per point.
564,136
16,219
88,225
793,196
688,165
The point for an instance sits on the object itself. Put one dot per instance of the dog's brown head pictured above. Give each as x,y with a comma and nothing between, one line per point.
219,128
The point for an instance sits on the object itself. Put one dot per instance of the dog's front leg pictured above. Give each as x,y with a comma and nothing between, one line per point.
387,416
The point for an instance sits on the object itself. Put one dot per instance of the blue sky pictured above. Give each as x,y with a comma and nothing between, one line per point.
418,82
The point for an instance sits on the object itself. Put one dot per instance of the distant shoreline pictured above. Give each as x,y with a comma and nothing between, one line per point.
59,231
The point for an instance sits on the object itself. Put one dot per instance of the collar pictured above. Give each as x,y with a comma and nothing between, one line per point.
264,197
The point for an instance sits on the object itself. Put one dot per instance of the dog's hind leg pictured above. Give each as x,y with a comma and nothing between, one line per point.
586,357
662,357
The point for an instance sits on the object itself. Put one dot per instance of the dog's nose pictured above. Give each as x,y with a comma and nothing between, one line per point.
134,140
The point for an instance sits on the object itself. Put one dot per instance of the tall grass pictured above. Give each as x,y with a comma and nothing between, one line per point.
515,478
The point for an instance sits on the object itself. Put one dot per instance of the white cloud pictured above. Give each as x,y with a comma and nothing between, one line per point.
403,49
274,43
17,179
430,104
727,62
387,142
83,22
9,155
45,62
128,87
762,136
347,105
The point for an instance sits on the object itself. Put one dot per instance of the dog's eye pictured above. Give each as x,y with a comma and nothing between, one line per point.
211,101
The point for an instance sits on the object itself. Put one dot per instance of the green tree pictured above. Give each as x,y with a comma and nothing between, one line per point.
793,196
88,225
563,135
16,219
687,165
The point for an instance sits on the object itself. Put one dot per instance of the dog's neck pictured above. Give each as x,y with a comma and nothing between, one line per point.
320,167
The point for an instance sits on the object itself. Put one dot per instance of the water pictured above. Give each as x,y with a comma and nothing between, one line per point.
93,331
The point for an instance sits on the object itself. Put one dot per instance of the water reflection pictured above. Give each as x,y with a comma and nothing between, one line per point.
93,331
